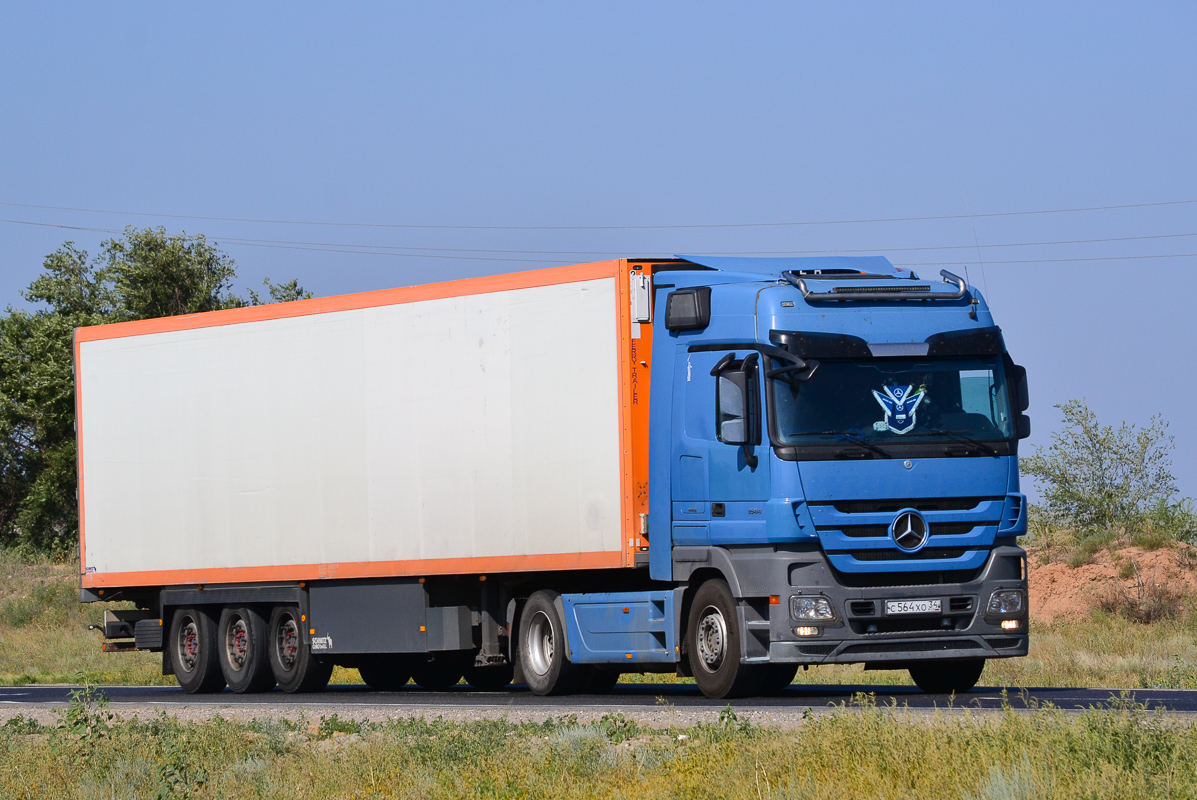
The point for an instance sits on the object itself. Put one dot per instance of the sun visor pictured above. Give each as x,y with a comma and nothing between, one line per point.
877,265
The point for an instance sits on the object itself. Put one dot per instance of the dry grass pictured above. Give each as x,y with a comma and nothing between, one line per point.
861,752
44,639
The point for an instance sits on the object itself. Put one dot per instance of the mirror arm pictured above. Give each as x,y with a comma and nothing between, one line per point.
722,365
749,457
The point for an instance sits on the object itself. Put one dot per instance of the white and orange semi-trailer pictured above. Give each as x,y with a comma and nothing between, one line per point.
462,477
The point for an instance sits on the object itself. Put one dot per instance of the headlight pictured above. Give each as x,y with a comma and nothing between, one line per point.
1006,601
813,608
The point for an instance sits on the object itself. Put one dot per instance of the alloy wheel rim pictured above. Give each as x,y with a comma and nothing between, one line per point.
236,643
540,643
712,638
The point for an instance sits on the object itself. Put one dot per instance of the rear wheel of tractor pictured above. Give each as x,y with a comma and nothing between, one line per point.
491,678
713,642
291,659
385,673
778,678
244,655
597,680
193,651
440,671
945,677
543,659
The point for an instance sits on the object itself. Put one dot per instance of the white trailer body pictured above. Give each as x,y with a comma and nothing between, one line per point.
460,427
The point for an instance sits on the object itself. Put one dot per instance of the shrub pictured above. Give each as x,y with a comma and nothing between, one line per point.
1098,477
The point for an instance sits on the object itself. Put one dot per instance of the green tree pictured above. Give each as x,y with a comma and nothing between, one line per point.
1095,476
145,273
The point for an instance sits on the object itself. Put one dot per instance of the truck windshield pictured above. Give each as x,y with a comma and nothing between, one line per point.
894,400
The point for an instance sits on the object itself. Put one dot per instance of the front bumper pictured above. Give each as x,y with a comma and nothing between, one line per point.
864,632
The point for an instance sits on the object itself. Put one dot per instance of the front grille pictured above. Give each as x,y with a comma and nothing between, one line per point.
937,529
815,649
881,580
925,504
912,647
901,555
910,624
960,604
999,643
862,608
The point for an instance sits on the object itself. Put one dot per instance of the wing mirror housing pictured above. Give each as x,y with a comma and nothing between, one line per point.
737,404
1024,426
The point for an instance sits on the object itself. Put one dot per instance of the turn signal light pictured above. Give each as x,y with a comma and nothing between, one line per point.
1010,624
806,630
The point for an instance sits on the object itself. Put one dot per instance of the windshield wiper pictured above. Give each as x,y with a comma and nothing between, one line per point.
858,440
960,436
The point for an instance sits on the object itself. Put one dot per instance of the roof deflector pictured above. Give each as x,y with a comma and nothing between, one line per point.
877,265
858,289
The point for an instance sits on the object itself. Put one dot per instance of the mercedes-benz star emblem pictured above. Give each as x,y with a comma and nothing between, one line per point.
909,530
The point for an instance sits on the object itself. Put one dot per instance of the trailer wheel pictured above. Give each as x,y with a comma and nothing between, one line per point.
193,653
291,660
945,677
241,645
545,663
491,678
440,671
713,638
385,673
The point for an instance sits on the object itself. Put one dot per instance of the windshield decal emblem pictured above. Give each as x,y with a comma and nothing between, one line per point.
899,403
909,530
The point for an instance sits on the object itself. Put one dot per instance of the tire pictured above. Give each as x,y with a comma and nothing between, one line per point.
491,678
543,658
596,680
778,678
385,673
713,643
291,660
441,671
241,639
946,677
193,651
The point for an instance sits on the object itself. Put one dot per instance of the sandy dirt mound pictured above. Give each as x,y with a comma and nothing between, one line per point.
1060,591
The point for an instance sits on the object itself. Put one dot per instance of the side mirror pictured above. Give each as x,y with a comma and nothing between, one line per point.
737,403
1018,382
1024,426
733,408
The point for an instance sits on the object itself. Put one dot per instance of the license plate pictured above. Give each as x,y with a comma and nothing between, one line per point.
913,606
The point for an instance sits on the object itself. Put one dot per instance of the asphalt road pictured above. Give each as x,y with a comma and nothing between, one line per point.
625,698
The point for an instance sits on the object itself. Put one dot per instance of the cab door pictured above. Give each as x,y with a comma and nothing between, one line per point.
722,478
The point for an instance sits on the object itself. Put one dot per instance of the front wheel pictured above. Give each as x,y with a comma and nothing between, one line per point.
713,645
946,677
291,659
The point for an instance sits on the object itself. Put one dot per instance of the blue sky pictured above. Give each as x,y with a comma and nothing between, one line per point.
561,127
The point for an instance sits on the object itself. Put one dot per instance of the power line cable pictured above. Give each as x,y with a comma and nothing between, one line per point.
401,249
1077,209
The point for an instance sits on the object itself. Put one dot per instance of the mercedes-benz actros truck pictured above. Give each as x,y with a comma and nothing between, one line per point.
725,468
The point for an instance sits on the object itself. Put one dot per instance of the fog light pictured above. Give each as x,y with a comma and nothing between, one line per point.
1006,601
817,608
806,630
1010,624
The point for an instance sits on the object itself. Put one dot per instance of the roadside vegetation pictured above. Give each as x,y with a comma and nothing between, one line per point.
857,750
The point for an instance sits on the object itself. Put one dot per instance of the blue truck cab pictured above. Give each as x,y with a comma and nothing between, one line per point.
833,456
